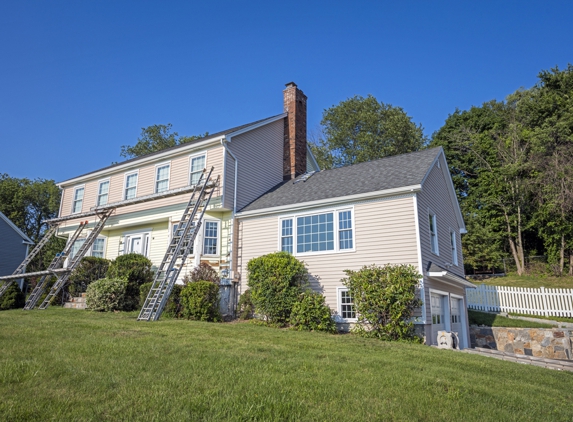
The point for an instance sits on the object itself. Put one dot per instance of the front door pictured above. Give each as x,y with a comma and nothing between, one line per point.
438,320
135,245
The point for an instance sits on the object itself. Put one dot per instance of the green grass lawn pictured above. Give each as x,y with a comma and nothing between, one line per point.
565,282
493,320
64,364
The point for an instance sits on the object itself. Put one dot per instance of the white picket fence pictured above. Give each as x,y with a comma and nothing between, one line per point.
521,300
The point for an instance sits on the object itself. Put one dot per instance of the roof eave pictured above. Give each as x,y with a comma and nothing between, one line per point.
25,238
331,201
452,278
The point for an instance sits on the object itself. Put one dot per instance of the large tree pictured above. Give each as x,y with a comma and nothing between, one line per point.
512,168
27,203
362,129
156,138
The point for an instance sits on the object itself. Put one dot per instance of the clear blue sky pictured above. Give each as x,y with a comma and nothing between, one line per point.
78,79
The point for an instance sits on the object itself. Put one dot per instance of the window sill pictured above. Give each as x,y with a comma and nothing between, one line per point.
324,252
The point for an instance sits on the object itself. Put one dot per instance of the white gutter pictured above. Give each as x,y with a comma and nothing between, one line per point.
333,201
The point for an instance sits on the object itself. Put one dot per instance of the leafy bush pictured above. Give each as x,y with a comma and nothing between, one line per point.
385,300
246,309
200,301
107,294
310,313
134,268
89,270
204,272
13,298
143,292
173,306
276,280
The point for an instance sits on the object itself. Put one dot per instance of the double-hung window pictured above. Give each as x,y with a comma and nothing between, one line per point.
454,247
197,165
130,186
211,235
286,236
98,247
346,304
102,193
433,233
175,231
321,232
162,178
78,200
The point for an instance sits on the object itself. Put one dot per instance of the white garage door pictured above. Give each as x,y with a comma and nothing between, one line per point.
438,322
456,316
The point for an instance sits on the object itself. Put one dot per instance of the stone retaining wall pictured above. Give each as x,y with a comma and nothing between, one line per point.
553,343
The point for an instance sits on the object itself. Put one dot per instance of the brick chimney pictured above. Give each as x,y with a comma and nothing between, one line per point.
294,157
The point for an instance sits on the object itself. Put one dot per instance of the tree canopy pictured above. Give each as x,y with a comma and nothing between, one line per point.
362,129
156,138
511,165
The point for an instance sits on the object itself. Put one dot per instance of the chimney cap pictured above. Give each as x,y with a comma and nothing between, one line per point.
288,85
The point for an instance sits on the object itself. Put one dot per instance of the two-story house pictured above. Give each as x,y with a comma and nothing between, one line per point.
250,160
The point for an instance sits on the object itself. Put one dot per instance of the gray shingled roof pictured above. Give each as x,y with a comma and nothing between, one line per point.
386,173
213,135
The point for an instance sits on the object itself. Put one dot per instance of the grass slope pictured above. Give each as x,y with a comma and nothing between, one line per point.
493,320
62,364
531,281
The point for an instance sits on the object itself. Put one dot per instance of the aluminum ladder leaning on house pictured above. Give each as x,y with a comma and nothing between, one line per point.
56,263
179,248
22,267
77,258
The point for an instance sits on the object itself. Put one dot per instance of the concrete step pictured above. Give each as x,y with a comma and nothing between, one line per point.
76,302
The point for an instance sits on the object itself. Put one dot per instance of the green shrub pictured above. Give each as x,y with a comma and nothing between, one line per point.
89,270
13,298
310,313
107,294
173,306
204,272
134,268
143,292
385,300
200,301
276,280
246,309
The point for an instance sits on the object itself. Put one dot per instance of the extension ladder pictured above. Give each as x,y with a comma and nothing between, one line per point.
179,248
56,263
47,236
76,259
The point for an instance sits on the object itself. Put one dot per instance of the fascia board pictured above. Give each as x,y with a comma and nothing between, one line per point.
26,239
452,277
143,160
331,201
228,136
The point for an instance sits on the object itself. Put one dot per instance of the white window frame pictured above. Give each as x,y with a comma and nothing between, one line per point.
340,318
145,239
191,157
157,167
335,212
171,228
76,188
281,233
90,251
454,246
434,244
125,183
98,190
205,237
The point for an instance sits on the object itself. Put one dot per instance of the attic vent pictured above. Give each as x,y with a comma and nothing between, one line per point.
304,177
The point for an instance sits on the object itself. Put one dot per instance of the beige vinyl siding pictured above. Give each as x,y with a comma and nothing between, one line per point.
260,155
178,177
384,233
435,198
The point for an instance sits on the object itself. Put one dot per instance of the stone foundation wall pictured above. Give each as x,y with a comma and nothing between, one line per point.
539,342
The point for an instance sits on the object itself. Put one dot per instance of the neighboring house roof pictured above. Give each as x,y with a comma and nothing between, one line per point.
231,131
16,229
399,171
446,275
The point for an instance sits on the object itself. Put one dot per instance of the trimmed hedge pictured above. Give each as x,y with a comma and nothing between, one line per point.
107,294
200,301
310,313
13,298
276,281
134,268
245,307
